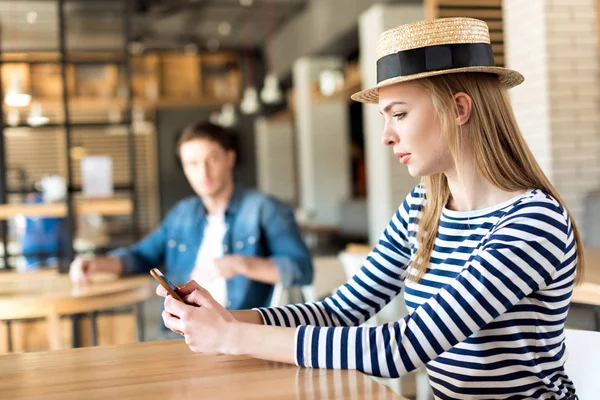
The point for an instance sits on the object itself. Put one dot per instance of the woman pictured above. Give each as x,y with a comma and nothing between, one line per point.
485,248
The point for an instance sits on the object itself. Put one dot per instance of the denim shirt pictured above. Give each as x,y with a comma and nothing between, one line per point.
258,225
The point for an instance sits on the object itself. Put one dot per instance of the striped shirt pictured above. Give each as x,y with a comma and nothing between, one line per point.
487,318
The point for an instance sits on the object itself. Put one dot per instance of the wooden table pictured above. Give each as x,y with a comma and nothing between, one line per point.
47,294
588,292
58,210
169,370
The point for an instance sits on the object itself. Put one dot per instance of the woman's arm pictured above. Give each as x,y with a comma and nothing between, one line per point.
208,328
248,317
521,257
367,292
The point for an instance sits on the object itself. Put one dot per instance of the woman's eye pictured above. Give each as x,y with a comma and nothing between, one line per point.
399,115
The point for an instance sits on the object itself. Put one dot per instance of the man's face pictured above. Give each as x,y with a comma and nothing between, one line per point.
208,167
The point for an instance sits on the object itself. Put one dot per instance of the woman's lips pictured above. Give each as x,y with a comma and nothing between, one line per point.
404,157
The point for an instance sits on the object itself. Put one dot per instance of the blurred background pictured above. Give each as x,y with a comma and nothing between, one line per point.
94,93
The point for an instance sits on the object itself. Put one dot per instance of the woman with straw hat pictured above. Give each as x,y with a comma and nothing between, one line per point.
484,248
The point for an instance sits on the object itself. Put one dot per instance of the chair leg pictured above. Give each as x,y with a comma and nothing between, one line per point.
9,346
277,296
76,331
94,328
139,312
309,293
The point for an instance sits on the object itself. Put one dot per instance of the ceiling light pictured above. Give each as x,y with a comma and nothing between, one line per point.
271,94
213,44
190,48
15,97
36,118
215,118
228,116
330,81
136,47
250,104
224,28
32,17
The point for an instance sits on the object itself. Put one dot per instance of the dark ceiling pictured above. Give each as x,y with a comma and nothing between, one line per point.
158,24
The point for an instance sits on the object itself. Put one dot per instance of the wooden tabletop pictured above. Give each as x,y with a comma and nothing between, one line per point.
57,210
592,267
589,291
169,370
39,294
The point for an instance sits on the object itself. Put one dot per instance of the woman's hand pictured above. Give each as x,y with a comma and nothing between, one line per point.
209,328
205,324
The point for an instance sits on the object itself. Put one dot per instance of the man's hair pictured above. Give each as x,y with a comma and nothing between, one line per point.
205,130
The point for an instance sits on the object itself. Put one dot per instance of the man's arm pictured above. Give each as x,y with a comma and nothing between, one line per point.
149,252
259,269
289,261
287,252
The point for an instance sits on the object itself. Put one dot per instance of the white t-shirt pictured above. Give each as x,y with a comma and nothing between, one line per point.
211,248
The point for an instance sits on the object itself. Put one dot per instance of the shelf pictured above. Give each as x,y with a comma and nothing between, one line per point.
352,84
100,57
105,207
117,187
119,62
158,80
84,102
71,125
30,57
179,102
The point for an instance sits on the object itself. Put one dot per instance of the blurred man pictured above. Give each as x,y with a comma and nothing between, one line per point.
233,241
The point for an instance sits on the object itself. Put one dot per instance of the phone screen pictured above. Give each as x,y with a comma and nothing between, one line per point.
168,282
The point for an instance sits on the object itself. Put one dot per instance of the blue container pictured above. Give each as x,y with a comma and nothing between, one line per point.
49,236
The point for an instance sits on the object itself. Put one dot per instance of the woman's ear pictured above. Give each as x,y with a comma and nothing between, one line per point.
464,105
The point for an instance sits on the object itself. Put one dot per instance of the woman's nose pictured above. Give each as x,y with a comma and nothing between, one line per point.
389,137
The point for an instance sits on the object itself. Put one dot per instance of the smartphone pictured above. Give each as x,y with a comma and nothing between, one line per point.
167,284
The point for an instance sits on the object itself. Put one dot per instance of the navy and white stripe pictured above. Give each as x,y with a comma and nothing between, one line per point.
487,318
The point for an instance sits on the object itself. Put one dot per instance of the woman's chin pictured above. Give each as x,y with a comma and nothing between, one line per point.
414,172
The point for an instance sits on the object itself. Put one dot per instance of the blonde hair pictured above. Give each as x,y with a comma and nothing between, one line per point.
500,153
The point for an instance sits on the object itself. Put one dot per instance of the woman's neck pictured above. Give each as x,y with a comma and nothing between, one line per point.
472,191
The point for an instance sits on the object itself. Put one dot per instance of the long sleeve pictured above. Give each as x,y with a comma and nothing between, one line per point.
149,252
368,291
286,247
524,253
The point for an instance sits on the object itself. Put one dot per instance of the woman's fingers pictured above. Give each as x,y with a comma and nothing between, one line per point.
173,323
188,287
161,291
200,297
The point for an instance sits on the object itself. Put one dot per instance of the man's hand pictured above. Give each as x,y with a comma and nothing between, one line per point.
225,267
83,267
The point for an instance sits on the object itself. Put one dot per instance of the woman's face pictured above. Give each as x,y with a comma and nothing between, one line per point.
412,129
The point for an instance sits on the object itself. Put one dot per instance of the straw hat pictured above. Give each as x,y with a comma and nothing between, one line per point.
434,47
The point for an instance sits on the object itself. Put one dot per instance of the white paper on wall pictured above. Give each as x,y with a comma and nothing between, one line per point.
97,176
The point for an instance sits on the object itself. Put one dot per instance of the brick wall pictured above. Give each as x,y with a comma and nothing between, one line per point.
554,43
